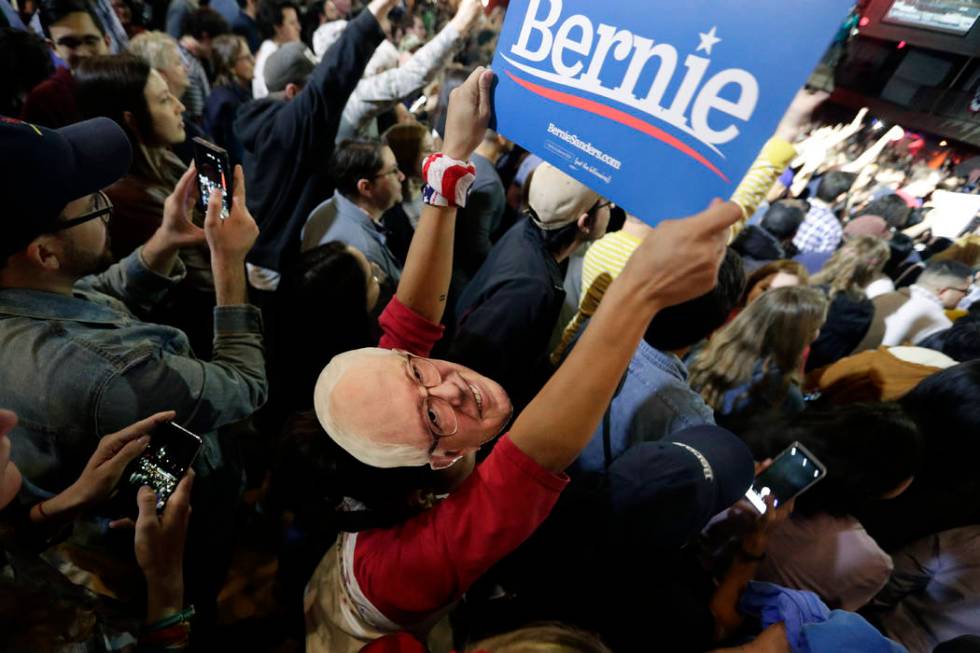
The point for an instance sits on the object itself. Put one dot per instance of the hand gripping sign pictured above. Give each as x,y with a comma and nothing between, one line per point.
659,106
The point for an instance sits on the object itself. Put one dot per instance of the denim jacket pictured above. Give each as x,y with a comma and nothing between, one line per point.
77,368
653,402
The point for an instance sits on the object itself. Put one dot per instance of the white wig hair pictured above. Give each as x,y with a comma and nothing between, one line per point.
365,447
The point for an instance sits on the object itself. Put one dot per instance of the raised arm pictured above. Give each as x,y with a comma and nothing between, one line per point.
377,94
777,153
678,261
428,268
205,395
314,114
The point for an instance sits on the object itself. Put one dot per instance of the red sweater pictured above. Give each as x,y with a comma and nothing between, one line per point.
415,569
52,102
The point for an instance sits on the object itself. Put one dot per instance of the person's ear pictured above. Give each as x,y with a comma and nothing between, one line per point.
292,90
131,122
364,187
108,42
43,253
585,223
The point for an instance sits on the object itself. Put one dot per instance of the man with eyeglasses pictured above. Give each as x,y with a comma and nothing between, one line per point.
74,33
368,184
77,362
911,315
507,313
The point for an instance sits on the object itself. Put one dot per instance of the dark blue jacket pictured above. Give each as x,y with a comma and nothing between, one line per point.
288,144
219,117
508,311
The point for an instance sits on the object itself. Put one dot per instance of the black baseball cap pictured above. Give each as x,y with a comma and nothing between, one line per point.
664,492
42,170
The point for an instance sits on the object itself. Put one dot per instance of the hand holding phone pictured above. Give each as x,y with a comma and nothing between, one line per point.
159,547
794,471
166,459
214,172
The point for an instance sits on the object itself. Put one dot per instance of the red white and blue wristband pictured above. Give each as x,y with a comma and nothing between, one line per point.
447,181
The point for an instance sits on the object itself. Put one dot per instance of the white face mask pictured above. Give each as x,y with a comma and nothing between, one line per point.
334,421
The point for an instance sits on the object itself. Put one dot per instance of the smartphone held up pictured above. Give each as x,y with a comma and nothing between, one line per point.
171,452
794,471
214,172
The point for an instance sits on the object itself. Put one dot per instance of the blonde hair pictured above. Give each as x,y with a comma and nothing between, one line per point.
774,329
158,49
542,638
853,266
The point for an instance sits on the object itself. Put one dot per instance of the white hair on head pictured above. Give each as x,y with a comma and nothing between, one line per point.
362,446
157,49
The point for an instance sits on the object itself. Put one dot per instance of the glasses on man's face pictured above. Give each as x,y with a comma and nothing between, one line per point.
602,205
75,42
438,415
103,209
393,171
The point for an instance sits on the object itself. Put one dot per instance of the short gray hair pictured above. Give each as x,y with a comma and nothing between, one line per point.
158,49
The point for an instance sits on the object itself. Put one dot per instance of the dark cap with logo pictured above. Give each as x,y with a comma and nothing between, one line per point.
42,170
666,491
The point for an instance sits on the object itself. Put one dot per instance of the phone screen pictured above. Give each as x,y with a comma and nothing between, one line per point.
213,170
170,454
792,472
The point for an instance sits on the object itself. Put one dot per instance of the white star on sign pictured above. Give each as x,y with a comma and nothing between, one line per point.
708,41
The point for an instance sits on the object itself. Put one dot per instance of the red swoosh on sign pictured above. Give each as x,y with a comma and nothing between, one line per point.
617,116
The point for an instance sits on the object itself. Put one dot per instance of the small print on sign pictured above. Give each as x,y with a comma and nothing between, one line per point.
659,106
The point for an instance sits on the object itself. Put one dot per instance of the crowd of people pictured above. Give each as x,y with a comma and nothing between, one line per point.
459,400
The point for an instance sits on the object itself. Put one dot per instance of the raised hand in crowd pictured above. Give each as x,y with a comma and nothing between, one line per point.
468,115
724,603
230,240
160,548
102,472
467,13
681,258
424,283
177,230
678,261
380,9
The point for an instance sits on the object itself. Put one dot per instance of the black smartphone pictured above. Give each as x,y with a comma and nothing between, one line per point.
793,471
213,172
170,454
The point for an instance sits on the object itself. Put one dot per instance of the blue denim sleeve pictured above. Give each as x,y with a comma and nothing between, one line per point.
205,395
134,284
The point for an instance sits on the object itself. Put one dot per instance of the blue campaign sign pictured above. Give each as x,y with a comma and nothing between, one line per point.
659,106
